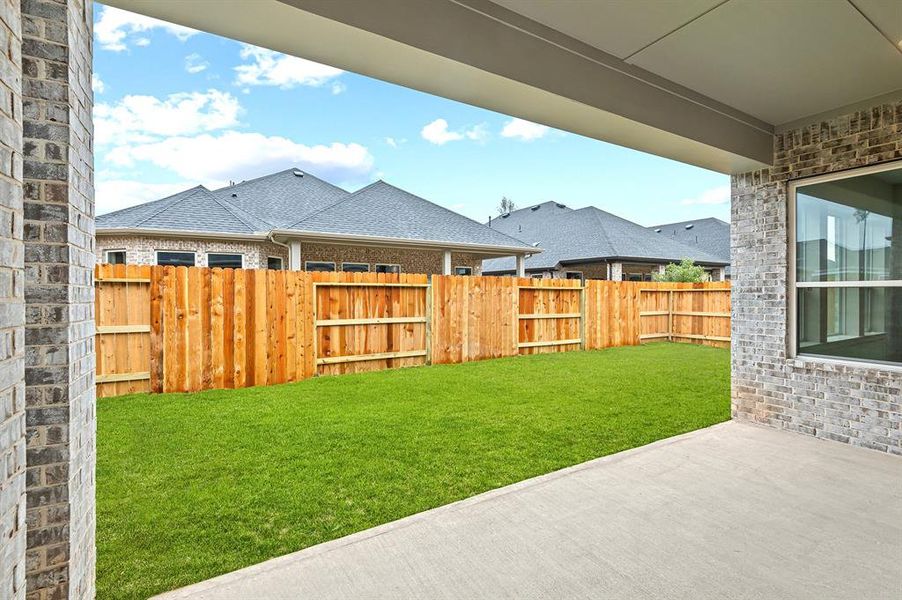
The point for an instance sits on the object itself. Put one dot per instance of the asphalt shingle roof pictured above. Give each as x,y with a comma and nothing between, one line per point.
383,210
708,235
195,209
282,198
567,235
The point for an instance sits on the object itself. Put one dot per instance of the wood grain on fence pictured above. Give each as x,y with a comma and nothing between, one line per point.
168,329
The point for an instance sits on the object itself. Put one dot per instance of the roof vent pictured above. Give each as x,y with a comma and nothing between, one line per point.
535,244
505,215
690,226
658,230
536,207
234,195
297,173
559,205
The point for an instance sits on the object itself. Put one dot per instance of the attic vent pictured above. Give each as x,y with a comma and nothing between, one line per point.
690,226
559,205
505,215
535,208
234,195
658,230
297,173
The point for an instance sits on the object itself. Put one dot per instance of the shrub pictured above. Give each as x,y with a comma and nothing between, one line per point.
685,272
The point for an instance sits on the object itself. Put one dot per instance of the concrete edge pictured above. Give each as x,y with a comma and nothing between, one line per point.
378,530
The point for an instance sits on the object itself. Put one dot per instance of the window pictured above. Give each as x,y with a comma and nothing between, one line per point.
463,270
225,261
355,267
175,259
274,263
574,275
847,254
388,269
114,257
312,265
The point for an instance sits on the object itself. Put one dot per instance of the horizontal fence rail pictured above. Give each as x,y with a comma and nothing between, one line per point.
181,329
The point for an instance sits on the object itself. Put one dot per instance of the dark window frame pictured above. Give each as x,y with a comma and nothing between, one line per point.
191,252
231,254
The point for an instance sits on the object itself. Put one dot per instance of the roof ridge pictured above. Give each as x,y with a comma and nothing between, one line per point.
292,169
235,212
336,203
193,191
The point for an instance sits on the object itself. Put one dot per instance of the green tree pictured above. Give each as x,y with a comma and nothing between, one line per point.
685,272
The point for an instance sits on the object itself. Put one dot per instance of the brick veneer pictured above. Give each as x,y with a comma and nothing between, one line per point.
141,250
59,332
860,405
12,310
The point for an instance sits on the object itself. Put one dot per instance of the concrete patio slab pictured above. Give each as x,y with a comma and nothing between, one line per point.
732,511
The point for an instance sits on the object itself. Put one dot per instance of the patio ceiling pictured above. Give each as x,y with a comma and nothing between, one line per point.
705,82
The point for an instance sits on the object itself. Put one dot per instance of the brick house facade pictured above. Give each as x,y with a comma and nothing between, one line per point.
855,404
141,250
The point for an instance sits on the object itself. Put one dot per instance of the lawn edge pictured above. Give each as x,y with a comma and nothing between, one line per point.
378,530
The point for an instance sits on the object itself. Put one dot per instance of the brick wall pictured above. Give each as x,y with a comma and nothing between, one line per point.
59,258
12,310
860,405
141,250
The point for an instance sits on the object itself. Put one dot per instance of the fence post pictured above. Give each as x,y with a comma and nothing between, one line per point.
582,317
429,322
670,316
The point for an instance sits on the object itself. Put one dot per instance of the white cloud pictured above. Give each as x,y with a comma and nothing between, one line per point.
523,130
114,26
116,194
240,155
437,132
714,196
395,142
286,72
139,119
97,84
339,87
195,63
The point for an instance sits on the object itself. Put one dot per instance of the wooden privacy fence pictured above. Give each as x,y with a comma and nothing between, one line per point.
165,329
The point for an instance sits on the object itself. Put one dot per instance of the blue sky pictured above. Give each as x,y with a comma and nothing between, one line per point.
174,108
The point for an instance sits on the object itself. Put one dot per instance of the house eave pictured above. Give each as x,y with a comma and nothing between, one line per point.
367,240
180,233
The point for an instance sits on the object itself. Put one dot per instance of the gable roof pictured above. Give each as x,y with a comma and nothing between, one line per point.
182,211
709,235
381,210
568,236
282,198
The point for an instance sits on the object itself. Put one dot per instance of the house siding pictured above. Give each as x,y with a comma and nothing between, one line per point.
859,405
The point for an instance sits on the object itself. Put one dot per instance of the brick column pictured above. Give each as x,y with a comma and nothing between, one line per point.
616,271
12,310
59,257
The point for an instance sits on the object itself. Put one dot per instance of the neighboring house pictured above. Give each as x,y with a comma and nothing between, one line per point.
291,219
590,243
708,235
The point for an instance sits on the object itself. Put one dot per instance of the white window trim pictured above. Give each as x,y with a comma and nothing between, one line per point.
320,262
281,262
792,285
239,254
358,264
157,254
456,267
106,254
377,265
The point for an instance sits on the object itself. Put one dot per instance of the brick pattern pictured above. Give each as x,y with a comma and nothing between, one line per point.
59,259
12,310
141,250
860,405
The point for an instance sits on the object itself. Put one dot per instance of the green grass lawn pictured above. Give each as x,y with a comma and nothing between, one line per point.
194,485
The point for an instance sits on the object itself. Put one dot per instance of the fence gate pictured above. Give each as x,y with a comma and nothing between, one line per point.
366,325
550,317
685,314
